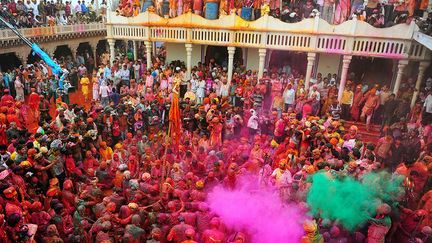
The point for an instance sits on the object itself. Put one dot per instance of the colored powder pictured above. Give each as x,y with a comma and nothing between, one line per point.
345,200
259,212
385,186
352,202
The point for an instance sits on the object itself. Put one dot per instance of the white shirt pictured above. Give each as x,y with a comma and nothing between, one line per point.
104,91
289,96
253,122
428,104
224,89
283,177
124,74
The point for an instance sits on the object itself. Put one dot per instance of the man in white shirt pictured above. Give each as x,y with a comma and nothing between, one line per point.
427,107
35,7
137,66
283,179
314,90
289,96
78,8
224,88
125,75
104,92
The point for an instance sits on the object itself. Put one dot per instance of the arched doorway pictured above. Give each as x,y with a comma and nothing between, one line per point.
85,56
371,71
102,54
62,52
296,60
220,54
33,57
9,61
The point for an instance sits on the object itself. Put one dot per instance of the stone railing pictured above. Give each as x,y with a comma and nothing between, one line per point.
315,35
52,31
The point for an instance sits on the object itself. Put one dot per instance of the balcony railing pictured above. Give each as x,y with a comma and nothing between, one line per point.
7,34
352,37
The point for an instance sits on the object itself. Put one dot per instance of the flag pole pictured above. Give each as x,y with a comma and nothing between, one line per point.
163,166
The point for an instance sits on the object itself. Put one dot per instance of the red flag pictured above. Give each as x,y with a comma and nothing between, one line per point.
174,118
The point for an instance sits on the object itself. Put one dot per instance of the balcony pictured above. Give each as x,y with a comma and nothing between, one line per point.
314,35
53,33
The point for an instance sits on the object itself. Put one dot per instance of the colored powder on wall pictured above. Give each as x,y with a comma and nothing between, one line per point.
345,200
259,212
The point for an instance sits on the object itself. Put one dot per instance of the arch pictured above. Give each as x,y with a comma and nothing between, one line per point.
62,52
85,55
32,57
101,47
101,52
9,61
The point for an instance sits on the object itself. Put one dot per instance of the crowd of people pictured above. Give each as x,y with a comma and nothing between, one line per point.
119,168
377,13
37,13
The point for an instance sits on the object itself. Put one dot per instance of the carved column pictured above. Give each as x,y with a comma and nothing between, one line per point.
188,60
231,51
310,63
262,55
422,67
345,66
111,43
401,67
148,46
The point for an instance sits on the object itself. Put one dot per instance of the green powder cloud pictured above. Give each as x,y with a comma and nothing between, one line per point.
351,202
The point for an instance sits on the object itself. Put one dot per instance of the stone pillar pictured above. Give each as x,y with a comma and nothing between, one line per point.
231,51
135,50
345,66
422,67
401,66
22,54
93,45
73,48
111,43
148,46
188,60
262,55
310,63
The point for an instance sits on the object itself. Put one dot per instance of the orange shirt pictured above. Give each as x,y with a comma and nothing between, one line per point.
106,154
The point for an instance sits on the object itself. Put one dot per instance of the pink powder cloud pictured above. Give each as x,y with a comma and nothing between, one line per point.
258,211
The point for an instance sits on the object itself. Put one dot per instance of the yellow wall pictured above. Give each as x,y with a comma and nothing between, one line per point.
328,63
177,51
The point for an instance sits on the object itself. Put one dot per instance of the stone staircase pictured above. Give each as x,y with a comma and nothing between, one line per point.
367,136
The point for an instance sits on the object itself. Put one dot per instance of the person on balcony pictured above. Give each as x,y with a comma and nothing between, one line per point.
328,11
187,6
179,7
78,10
197,6
342,11
68,9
